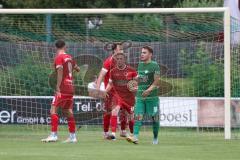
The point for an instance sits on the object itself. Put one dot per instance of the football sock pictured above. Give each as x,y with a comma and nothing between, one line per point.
71,124
123,124
131,124
106,121
114,123
136,127
155,127
54,122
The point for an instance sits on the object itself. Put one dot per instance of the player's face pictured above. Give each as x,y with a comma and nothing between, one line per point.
145,55
119,49
120,60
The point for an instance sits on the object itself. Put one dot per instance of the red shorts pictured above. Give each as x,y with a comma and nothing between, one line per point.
63,101
109,102
126,106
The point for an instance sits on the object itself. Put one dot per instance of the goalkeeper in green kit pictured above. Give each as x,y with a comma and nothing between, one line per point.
147,101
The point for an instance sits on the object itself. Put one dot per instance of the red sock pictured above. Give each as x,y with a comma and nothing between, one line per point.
54,122
123,120
114,123
106,121
71,124
131,124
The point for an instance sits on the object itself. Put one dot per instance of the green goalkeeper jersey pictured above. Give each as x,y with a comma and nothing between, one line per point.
146,72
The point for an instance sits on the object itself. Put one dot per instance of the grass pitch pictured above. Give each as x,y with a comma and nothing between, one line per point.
18,142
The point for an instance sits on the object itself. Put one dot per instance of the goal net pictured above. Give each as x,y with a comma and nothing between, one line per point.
188,46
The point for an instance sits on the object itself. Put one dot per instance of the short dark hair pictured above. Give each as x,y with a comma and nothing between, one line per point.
60,44
114,46
148,48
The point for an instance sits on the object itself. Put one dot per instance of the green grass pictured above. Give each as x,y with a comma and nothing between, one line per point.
18,142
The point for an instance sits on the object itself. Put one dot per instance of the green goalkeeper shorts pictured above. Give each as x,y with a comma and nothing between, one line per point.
149,107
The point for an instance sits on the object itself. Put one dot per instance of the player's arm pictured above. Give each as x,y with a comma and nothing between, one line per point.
155,83
106,67
59,69
59,78
108,88
135,77
100,78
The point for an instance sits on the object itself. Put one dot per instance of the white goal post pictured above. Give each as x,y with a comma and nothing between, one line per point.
227,68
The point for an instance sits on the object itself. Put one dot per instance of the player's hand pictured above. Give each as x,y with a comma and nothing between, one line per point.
146,93
105,95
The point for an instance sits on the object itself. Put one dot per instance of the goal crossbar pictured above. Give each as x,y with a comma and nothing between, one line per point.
113,10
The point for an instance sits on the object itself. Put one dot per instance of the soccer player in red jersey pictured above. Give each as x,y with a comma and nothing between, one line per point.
109,64
125,98
64,66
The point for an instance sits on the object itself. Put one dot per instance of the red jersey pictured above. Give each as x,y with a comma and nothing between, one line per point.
108,65
120,78
65,61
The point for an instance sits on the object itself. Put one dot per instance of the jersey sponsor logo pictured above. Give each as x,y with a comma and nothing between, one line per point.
143,78
120,82
7,116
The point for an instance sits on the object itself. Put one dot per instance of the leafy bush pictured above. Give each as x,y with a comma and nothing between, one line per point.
29,78
200,3
206,73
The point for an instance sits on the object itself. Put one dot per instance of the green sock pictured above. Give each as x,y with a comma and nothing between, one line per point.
136,128
155,127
